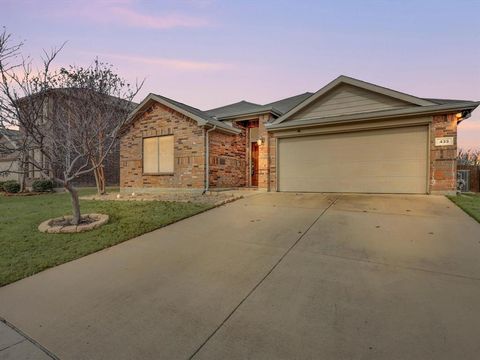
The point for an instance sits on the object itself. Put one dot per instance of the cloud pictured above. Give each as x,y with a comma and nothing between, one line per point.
125,13
177,64
133,18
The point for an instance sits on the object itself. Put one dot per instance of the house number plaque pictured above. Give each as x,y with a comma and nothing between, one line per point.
444,141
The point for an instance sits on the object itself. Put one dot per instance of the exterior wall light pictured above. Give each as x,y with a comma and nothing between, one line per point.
458,115
260,141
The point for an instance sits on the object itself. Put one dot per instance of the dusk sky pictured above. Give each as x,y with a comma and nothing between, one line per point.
209,53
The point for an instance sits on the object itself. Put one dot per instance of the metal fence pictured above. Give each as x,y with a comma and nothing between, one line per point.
463,180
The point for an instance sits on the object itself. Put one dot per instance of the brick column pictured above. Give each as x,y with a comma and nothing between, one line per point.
263,150
272,149
443,159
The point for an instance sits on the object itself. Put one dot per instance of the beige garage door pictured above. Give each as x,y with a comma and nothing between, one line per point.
374,161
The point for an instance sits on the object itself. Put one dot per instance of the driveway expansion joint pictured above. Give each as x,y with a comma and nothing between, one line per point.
41,350
12,345
257,285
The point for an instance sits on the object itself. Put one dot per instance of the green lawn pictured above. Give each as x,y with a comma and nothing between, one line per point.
470,203
25,251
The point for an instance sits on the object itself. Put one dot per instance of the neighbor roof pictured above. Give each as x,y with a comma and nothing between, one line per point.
10,133
13,136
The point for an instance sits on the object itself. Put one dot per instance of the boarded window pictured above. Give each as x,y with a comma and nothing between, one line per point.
158,154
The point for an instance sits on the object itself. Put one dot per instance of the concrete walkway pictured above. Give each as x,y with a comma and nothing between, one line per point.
273,276
15,345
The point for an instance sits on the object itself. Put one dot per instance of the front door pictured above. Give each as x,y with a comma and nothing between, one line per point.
254,164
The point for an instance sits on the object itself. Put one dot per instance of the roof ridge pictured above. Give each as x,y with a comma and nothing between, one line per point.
231,104
179,102
289,97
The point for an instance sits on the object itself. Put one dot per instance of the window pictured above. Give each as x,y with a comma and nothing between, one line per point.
158,155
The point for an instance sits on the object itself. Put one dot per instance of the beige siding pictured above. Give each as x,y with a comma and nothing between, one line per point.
345,100
9,165
376,161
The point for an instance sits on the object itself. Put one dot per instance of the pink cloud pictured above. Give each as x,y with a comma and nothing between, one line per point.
127,13
133,18
177,64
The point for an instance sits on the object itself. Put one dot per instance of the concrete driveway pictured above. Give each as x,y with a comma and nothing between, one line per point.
273,276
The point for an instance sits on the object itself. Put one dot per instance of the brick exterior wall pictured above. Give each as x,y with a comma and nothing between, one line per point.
443,162
229,154
227,159
189,150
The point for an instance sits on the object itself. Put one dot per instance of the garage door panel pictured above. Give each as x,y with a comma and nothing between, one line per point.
388,161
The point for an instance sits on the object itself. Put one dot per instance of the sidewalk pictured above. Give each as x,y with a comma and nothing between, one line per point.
15,345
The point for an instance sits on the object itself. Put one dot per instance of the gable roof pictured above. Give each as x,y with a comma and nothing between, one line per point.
246,108
342,79
285,105
419,105
201,117
241,107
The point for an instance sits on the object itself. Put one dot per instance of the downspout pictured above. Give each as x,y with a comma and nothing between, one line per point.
207,159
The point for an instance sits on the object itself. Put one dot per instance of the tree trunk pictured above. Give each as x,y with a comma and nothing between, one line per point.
23,172
75,203
99,179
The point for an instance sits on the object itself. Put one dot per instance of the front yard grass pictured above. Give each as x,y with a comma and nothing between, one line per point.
470,203
25,251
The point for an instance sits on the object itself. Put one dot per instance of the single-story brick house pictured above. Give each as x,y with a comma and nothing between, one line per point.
349,136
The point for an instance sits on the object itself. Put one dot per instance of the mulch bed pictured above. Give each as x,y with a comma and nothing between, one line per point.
24,193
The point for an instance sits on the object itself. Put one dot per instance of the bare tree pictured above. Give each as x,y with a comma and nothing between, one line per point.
469,157
9,62
99,101
64,134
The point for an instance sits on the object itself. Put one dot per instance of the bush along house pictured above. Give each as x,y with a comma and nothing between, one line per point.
349,136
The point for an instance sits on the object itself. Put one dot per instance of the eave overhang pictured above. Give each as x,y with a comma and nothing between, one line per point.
152,98
377,115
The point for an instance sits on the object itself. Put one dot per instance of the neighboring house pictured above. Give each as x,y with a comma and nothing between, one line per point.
50,107
9,164
350,136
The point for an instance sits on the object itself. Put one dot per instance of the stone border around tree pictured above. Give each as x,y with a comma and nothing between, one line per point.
46,227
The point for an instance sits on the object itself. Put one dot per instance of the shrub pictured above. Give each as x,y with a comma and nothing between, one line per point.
42,185
11,186
1,185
